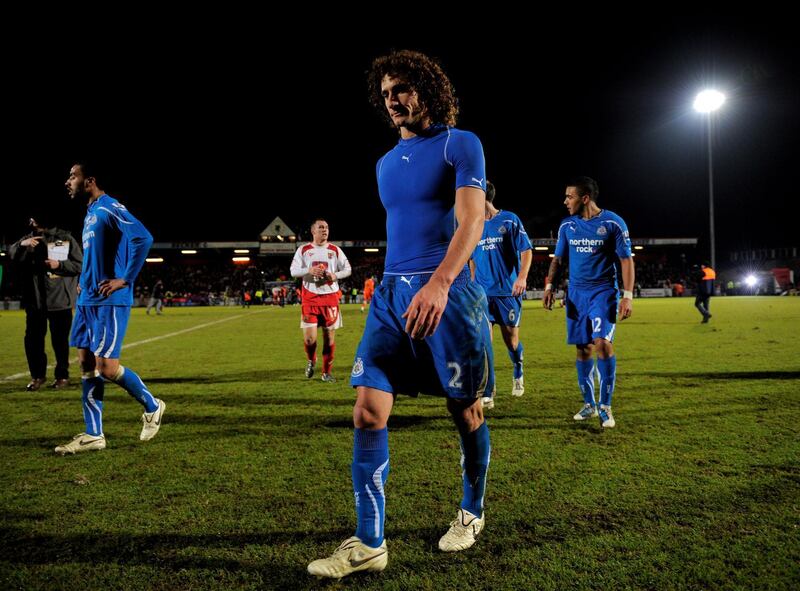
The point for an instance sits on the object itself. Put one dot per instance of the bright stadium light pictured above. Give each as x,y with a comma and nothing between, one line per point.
154,260
241,251
371,250
539,248
240,259
707,102
750,280
638,247
188,251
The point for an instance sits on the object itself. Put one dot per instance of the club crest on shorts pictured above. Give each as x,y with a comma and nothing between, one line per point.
358,368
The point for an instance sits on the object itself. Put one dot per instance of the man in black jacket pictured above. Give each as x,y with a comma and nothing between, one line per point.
49,262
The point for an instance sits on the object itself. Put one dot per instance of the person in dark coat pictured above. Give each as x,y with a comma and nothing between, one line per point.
49,262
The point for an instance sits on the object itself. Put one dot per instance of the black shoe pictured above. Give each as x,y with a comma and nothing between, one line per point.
35,384
310,369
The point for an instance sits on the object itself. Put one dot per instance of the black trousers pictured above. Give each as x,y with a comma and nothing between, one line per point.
703,303
35,331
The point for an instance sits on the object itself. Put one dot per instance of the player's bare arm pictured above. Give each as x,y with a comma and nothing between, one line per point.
521,284
628,281
425,311
552,276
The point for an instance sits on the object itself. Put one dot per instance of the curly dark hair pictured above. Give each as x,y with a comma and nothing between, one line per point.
93,168
424,75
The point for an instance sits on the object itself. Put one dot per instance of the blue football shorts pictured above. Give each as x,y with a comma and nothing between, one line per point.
591,314
505,310
456,361
100,329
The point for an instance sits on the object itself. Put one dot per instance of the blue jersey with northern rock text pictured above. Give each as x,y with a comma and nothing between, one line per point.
417,180
496,257
593,246
115,245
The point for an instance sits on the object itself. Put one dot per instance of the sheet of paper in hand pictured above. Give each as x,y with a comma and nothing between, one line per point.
58,251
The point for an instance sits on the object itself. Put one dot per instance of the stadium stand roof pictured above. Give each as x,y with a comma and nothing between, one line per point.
278,230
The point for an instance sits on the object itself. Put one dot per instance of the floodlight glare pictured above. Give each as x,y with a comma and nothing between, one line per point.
750,280
708,100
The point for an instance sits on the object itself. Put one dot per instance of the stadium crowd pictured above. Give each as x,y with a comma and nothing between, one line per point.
222,282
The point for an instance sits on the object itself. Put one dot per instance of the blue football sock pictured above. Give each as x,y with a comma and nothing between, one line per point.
586,380
608,377
370,469
516,359
92,398
475,452
127,379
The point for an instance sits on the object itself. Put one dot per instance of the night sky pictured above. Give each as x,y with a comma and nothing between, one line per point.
187,116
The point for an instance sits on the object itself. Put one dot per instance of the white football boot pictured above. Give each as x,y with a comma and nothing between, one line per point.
152,421
351,556
82,442
464,529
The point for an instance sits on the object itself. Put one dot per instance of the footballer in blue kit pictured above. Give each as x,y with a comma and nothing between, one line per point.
115,245
500,263
427,329
593,239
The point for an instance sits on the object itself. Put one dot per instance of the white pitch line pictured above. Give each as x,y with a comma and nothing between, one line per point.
17,376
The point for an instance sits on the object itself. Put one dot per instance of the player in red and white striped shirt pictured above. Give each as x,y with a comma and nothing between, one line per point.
321,265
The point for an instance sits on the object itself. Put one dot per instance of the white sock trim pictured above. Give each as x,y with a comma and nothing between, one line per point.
118,376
